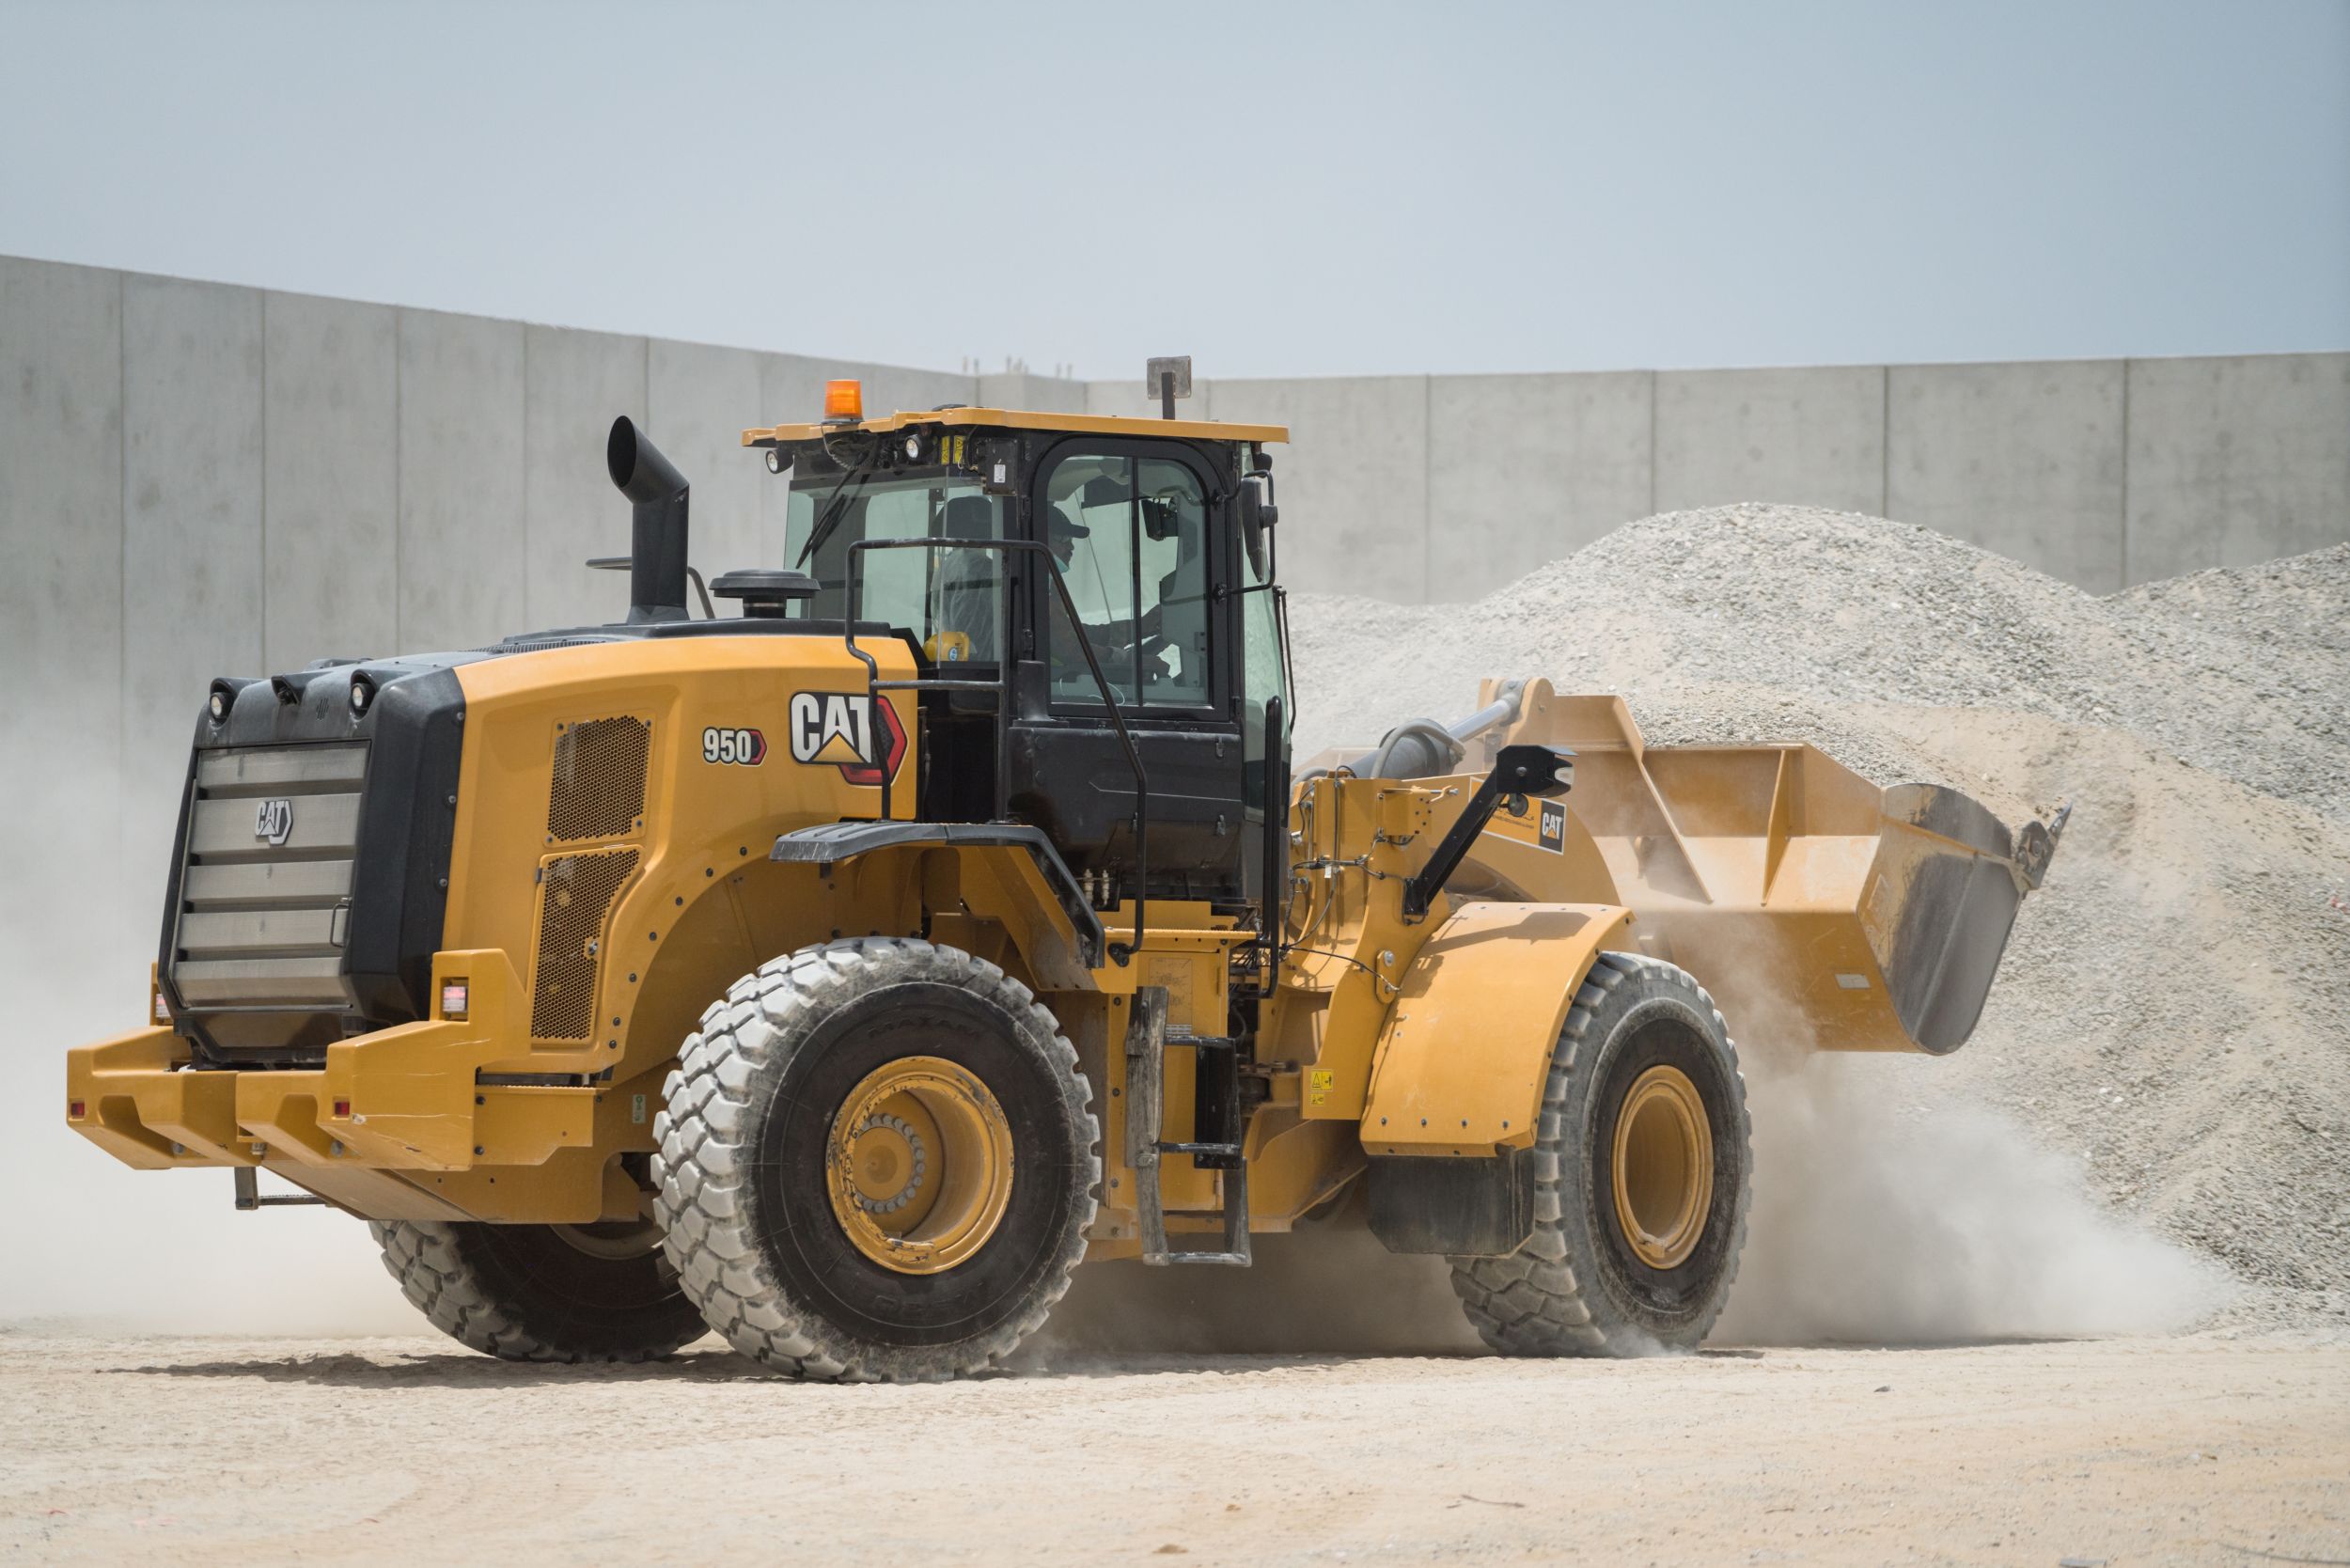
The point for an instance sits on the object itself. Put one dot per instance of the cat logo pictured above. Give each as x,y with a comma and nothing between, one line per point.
1537,823
839,730
272,822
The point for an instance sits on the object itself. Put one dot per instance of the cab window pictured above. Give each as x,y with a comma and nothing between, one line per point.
950,601
1130,534
1264,676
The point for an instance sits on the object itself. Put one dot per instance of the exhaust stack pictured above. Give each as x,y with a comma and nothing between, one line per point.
657,493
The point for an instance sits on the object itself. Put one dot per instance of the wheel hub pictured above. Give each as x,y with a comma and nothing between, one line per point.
1663,1162
919,1164
889,1160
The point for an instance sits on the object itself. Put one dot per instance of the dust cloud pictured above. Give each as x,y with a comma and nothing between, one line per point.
1888,1210
1327,1288
89,1242
1885,1210
1891,1207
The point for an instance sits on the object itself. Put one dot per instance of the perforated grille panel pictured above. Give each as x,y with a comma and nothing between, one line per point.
598,788
576,894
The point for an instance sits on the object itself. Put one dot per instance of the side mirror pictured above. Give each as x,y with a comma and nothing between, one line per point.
1258,514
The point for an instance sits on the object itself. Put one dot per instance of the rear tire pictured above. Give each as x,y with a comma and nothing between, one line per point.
878,1161
542,1293
1651,1272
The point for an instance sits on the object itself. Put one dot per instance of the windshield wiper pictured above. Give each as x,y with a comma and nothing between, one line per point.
836,505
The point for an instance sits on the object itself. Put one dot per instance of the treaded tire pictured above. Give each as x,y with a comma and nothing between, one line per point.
1576,1287
525,1293
742,1200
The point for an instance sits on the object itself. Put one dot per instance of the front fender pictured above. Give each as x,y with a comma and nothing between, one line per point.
1460,1065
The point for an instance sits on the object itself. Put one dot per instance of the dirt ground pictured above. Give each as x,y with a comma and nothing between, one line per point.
256,1453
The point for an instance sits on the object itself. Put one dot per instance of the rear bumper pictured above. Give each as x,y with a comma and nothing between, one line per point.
397,1124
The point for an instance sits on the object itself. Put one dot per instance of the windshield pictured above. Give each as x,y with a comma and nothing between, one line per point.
950,601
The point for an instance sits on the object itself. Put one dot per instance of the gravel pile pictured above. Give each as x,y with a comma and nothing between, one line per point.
2245,674
2174,1013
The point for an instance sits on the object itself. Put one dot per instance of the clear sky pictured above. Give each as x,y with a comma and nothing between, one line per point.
1274,188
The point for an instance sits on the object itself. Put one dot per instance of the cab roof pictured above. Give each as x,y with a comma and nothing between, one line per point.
1006,418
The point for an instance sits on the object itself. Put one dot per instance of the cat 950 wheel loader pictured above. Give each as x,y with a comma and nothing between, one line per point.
841,974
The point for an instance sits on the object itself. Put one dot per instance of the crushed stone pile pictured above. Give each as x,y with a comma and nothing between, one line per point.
2173,1011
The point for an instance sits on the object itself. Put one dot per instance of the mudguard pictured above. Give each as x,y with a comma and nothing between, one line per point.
1460,1065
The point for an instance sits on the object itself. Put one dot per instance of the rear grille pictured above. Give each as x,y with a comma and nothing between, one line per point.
575,897
264,895
599,786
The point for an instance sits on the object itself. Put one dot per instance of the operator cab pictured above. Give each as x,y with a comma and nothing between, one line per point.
1081,573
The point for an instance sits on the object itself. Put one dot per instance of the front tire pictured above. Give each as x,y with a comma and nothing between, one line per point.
878,1161
1643,1167
542,1293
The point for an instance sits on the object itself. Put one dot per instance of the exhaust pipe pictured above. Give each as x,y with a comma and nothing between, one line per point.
657,492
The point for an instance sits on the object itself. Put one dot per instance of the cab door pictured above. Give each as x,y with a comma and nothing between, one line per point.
1140,532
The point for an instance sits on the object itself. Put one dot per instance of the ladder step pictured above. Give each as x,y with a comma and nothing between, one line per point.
1146,1044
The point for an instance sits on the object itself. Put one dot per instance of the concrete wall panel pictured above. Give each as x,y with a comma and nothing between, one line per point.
576,383
61,608
1811,436
2022,459
791,392
1524,469
1352,483
2233,462
330,479
792,389
60,489
702,399
890,388
463,559
192,469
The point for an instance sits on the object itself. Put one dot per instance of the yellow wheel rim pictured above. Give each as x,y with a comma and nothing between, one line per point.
1664,1165
919,1164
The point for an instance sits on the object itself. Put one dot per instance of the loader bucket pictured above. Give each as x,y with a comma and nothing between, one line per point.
1817,908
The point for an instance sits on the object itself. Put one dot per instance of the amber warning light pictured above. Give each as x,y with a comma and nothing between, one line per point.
844,400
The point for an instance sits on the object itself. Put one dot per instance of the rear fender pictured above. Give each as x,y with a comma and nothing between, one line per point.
1462,1060
1003,872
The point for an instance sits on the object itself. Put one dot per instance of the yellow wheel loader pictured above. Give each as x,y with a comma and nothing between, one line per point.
840,974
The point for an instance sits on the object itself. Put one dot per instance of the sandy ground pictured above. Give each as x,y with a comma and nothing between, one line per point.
255,1453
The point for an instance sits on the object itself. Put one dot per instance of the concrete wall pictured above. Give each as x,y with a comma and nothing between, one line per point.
197,479
2104,473
2235,461
61,601
2026,460
1522,469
